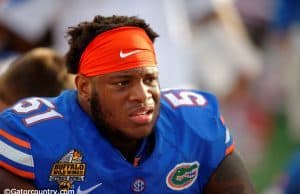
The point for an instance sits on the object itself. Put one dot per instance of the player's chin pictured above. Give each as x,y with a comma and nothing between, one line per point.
140,132
142,126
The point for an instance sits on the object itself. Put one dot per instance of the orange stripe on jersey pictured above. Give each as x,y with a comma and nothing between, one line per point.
16,171
136,161
229,150
222,119
14,139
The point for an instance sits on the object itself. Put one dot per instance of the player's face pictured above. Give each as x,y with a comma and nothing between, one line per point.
126,103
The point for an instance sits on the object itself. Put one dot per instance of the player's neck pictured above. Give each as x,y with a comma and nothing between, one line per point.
127,147
130,148
137,151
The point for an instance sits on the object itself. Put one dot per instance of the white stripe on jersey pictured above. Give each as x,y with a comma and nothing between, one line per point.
227,139
15,155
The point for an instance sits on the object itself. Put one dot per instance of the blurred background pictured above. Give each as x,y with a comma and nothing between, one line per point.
246,52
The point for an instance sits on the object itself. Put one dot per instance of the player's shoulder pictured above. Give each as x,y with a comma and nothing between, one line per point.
29,112
31,126
182,100
192,112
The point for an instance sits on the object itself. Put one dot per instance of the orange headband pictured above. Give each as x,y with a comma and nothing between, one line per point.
116,50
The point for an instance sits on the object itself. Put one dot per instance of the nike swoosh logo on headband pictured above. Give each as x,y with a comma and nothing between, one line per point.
124,55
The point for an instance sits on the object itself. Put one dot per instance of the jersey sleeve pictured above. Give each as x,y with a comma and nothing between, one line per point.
211,129
15,148
203,135
229,143
223,132
216,135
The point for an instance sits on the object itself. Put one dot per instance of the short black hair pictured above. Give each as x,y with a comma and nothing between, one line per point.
82,34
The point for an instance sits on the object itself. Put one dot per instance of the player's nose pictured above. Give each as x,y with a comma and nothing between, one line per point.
140,92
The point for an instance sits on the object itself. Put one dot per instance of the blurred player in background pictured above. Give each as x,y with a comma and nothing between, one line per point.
39,72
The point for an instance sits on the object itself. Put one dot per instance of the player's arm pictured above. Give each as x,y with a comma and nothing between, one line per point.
11,181
231,177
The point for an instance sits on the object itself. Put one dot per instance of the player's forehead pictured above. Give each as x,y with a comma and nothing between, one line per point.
135,72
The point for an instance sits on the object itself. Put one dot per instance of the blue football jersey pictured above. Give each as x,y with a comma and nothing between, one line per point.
53,142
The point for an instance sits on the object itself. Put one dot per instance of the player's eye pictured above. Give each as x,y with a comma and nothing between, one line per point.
151,80
121,83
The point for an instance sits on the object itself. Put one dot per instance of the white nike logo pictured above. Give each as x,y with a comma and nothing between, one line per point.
87,191
124,55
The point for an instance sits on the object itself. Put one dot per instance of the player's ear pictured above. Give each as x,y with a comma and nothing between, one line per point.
84,87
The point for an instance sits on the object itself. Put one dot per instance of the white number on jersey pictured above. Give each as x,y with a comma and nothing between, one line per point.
32,105
185,98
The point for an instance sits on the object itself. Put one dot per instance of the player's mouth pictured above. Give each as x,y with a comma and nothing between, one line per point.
143,115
